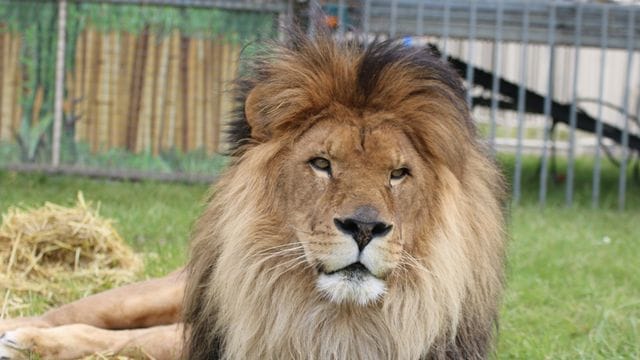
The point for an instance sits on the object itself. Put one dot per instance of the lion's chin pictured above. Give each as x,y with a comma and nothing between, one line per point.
360,288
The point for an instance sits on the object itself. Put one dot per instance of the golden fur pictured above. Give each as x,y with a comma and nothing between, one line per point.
267,234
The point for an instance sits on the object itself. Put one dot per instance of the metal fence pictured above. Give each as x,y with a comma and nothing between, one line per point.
562,74
138,88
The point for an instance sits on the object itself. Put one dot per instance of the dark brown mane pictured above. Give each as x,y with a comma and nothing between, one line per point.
298,80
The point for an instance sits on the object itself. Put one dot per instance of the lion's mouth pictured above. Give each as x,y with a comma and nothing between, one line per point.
352,283
354,270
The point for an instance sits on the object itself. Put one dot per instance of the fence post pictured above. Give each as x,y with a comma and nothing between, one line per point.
59,83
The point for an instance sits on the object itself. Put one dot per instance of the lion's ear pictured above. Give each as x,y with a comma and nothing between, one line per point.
253,112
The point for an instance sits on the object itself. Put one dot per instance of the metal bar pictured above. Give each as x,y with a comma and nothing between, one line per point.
285,20
394,17
471,47
624,143
517,179
59,87
341,18
420,19
574,107
110,173
595,196
551,43
281,25
486,19
367,18
275,6
495,83
312,10
445,29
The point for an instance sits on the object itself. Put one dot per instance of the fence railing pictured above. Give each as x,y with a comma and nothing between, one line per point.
144,83
535,71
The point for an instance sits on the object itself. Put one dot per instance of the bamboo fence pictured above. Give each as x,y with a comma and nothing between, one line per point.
10,84
145,92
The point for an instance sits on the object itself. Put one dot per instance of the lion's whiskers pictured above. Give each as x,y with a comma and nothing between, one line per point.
286,251
282,268
290,263
408,261
282,249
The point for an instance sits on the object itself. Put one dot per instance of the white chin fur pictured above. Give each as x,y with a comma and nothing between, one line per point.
341,287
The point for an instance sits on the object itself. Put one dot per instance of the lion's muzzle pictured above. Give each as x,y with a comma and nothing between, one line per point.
355,271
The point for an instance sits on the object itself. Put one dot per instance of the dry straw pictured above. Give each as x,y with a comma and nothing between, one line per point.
56,254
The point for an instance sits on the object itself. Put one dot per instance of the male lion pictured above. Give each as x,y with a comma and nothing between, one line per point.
359,219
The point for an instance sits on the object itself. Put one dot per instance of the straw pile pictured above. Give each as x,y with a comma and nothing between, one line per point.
56,254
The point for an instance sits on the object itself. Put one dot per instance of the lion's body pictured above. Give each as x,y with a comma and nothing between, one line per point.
266,278
359,219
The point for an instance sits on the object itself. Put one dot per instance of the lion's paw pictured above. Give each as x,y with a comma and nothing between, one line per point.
11,347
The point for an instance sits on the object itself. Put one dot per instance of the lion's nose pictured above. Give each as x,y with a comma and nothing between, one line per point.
362,231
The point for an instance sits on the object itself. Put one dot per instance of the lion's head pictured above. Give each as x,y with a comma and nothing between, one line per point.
359,217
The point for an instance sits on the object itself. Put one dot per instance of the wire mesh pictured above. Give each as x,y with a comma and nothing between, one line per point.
529,69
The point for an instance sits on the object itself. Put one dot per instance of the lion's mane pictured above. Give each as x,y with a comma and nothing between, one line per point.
240,305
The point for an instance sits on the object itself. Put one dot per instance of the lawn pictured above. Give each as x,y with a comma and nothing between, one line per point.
573,273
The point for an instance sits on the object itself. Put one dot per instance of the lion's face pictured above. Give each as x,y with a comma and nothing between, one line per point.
353,190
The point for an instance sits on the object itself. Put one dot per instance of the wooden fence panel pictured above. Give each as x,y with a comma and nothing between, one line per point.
144,93
169,105
10,85
4,72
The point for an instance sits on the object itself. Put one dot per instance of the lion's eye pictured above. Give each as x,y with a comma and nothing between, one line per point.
398,174
321,164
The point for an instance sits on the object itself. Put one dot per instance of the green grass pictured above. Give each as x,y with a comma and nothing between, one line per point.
573,277
573,285
573,274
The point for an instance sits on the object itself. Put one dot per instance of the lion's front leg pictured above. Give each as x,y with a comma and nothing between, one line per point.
144,304
32,321
78,340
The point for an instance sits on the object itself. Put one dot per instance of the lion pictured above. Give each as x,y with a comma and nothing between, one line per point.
360,218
